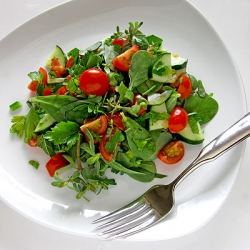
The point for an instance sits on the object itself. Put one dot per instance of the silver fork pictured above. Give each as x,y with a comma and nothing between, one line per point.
158,201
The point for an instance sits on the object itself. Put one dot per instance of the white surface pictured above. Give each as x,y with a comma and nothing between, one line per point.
228,229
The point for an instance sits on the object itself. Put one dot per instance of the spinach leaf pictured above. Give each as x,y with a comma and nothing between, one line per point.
139,139
63,107
53,104
148,172
76,111
138,72
161,139
204,107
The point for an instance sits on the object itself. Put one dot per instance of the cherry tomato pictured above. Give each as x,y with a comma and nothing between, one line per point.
178,120
120,41
62,90
94,82
97,126
117,120
70,62
33,85
142,110
57,68
56,162
185,86
122,62
172,153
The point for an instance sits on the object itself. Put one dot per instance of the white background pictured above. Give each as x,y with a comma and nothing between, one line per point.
230,228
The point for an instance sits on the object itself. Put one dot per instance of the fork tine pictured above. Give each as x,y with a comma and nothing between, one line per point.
120,211
134,221
135,229
124,215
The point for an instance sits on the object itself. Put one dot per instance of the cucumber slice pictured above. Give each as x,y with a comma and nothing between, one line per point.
188,136
178,62
160,69
59,54
160,124
158,99
55,80
45,123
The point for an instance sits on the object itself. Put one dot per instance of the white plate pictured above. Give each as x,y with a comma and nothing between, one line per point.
78,24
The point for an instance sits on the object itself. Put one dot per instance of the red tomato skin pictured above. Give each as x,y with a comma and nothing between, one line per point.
142,110
178,120
123,61
70,62
120,41
56,162
57,68
62,90
172,153
47,91
33,141
117,120
105,154
45,75
94,81
185,87
98,126
33,84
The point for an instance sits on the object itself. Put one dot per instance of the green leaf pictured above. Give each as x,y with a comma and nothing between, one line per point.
53,104
64,133
18,125
31,122
138,72
161,139
114,140
204,107
136,133
45,145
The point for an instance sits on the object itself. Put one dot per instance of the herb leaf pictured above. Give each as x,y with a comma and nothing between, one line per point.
64,133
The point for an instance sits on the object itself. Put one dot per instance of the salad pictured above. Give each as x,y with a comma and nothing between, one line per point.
115,106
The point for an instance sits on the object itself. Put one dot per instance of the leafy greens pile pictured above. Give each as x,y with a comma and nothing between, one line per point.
134,149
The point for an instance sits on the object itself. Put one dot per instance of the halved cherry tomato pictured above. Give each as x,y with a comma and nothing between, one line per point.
142,110
120,41
62,90
70,62
185,86
33,142
117,120
172,153
56,162
57,68
94,81
33,85
178,120
98,126
123,61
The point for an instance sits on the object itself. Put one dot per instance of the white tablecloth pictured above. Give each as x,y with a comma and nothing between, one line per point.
230,228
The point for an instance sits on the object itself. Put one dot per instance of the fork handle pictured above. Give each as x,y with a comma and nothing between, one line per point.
221,144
